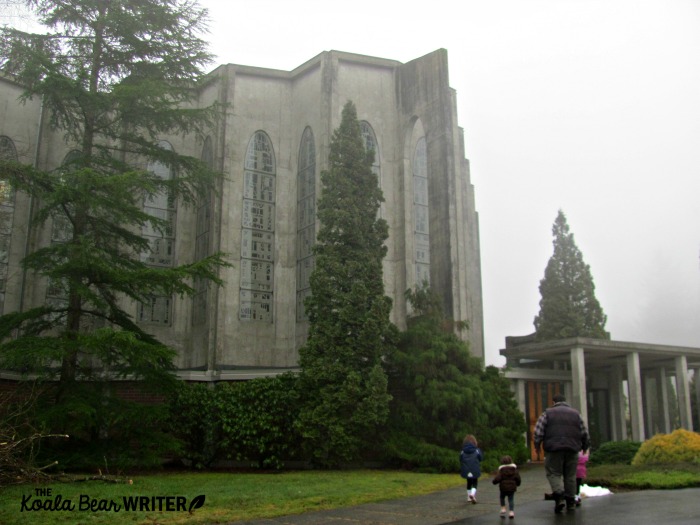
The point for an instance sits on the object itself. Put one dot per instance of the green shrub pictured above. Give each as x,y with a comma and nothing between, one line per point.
406,452
629,477
681,446
194,421
106,432
615,452
441,393
246,421
258,420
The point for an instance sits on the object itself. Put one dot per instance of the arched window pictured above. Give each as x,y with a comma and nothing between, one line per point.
163,206
370,140
258,231
7,149
421,222
7,152
201,246
61,232
61,227
7,215
306,218
157,309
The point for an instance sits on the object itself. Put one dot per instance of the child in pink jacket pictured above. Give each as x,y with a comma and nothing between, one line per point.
580,474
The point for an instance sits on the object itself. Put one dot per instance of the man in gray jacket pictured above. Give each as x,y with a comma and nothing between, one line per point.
563,433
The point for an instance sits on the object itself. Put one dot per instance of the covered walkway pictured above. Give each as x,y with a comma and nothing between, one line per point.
623,390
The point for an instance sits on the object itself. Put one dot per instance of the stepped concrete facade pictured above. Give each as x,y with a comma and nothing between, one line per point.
271,147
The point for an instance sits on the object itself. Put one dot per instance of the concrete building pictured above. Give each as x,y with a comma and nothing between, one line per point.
623,390
272,146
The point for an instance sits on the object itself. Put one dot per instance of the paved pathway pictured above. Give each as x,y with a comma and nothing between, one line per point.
678,507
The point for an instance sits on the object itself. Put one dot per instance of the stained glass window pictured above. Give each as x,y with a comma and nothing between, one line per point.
370,140
421,214
61,232
162,205
258,231
7,215
155,310
306,218
201,248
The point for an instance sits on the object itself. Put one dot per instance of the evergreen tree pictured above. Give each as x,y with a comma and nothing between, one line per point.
349,326
568,307
442,393
433,378
114,77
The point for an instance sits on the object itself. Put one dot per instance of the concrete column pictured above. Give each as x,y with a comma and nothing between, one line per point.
517,386
683,386
634,382
579,399
648,393
618,406
568,391
662,400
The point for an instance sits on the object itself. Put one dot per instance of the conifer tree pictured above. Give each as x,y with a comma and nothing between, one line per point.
349,326
441,393
114,77
568,307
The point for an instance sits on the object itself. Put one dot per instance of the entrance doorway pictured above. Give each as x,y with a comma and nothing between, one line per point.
539,398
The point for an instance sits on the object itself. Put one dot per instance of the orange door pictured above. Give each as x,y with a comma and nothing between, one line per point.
539,397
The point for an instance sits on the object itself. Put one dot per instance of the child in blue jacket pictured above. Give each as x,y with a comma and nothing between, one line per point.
470,460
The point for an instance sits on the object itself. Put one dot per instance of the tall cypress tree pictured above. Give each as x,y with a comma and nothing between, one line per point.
114,77
568,307
349,329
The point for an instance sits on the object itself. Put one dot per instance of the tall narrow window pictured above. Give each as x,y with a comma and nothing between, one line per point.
163,206
258,231
306,218
370,140
61,232
7,215
201,247
157,309
421,232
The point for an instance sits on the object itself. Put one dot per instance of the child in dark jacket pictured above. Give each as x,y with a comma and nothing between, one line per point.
508,481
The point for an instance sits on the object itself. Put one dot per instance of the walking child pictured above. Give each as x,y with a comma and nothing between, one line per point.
508,481
470,460
580,474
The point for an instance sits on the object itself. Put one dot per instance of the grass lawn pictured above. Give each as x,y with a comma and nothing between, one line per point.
628,477
236,496
229,497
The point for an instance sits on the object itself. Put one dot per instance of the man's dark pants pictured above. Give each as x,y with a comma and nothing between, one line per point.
560,467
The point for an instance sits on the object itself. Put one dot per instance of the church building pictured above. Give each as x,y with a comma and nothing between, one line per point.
271,147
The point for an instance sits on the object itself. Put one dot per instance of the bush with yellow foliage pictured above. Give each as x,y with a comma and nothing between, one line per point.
681,446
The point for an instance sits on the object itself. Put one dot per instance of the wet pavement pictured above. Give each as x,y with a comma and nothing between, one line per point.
451,507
